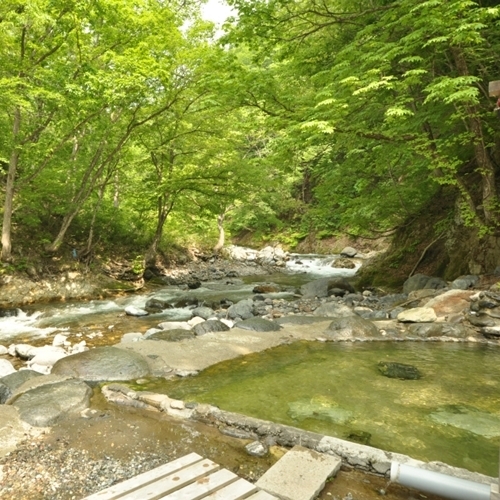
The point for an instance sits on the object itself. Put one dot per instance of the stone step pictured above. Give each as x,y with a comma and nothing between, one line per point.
300,474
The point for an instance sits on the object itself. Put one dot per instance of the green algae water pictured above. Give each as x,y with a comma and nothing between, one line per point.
451,414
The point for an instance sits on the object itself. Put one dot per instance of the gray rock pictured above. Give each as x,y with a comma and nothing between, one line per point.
242,309
204,312
452,330
155,305
210,326
10,383
172,335
135,311
257,449
259,325
348,252
45,405
320,288
421,281
352,327
103,363
400,371
483,320
465,282
301,320
334,310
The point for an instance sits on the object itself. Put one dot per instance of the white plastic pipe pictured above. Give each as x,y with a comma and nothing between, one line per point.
439,484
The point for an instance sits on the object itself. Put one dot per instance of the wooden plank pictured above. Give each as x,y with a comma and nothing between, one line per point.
262,495
203,486
235,491
117,490
494,88
172,482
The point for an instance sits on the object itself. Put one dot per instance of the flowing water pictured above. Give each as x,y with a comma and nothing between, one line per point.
451,414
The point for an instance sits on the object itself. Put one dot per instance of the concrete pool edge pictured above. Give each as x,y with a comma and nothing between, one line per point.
359,456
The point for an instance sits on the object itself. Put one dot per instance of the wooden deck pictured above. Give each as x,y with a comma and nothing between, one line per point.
191,477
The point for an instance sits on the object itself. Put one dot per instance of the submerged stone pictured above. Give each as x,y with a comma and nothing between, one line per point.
399,370
321,409
469,419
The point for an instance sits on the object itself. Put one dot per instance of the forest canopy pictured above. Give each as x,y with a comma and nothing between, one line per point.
133,120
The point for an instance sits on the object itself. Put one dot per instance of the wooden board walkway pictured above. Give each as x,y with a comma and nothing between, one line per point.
191,477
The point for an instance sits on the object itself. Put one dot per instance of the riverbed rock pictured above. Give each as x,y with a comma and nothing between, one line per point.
421,281
417,315
13,430
10,383
352,328
465,282
441,329
45,405
172,335
257,449
203,312
320,408
320,288
210,326
6,367
45,357
334,310
343,263
450,302
103,364
266,288
155,305
174,325
468,418
349,252
242,309
258,325
135,311
400,371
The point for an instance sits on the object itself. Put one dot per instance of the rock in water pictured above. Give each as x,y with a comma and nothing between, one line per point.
399,370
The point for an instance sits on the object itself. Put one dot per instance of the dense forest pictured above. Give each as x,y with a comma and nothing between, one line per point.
137,123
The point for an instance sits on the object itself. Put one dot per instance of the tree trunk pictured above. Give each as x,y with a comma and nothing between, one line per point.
9,190
220,224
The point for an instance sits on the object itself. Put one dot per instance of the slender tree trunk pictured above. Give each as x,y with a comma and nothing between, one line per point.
94,217
220,224
9,190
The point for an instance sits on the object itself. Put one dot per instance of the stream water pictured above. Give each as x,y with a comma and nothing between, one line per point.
451,414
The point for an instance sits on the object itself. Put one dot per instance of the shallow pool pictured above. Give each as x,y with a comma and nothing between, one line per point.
451,414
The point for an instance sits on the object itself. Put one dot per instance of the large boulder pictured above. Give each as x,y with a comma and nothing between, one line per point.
258,325
352,328
465,282
349,252
43,406
450,302
103,364
440,329
421,281
10,383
